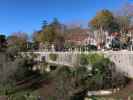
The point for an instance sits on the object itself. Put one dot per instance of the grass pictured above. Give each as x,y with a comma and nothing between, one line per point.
25,95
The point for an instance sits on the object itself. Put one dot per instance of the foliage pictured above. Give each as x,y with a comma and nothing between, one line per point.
90,58
6,88
102,20
24,95
123,22
44,24
2,42
12,51
91,47
24,68
71,83
50,34
103,72
18,40
68,81
38,37
106,21
114,26
13,69
122,42
6,66
116,43
53,56
125,40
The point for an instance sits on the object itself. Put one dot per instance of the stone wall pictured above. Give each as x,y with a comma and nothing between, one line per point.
122,59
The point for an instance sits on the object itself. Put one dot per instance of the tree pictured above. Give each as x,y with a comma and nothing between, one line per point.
125,10
60,43
125,16
98,72
44,24
68,82
50,33
116,43
114,26
18,40
13,70
123,22
2,42
105,75
103,72
103,21
56,25
39,37
23,68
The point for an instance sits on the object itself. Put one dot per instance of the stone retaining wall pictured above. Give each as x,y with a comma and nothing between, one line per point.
122,59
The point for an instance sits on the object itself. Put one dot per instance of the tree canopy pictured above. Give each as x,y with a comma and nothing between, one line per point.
3,42
18,40
102,20
52,33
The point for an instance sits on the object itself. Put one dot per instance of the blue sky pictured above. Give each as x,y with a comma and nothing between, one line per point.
27,15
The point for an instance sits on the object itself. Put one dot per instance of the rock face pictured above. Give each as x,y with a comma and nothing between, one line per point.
122,59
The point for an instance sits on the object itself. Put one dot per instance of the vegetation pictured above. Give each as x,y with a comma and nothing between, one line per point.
53,57
24,95
18,40
2,42
124,23
50,34
103,71
18,69
90,59
18,79
15,71
103,20
96,73
106,21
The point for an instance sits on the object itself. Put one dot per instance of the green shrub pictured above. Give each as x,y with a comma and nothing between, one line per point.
90,59
53,57
103,73
6,89
23,96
